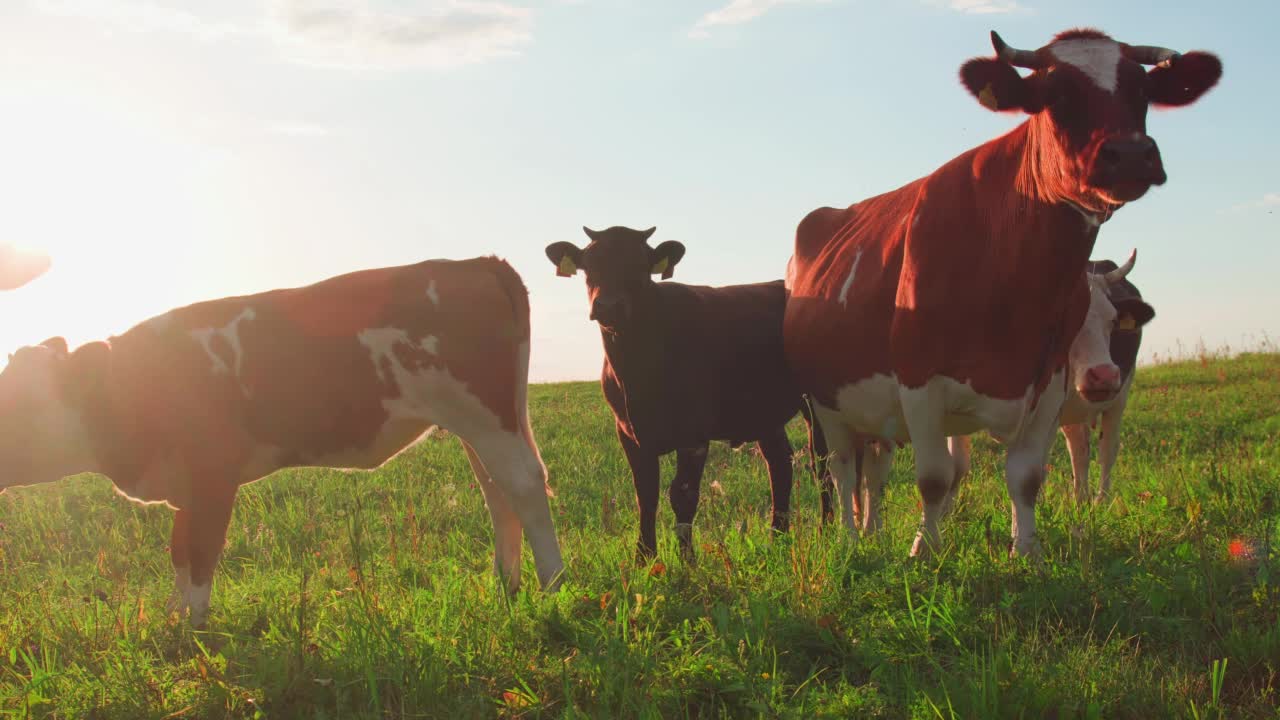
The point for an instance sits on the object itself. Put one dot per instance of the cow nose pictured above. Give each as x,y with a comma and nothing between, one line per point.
1103,377
607,310
1118,152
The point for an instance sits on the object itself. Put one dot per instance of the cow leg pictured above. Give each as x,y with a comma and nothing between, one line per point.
818,456
844,463
776,448
207,534
683,494
180,554
875,459
961,449
1077,437
935,470
1109,443
644,475
506,524
512,462
1024,464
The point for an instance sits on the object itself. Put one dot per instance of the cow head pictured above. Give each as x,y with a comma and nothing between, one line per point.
1096,376
619,265
1088,95
42,431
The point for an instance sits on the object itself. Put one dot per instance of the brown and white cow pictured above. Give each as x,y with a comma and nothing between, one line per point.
685,365
188,406
1100,367
949,305
19,267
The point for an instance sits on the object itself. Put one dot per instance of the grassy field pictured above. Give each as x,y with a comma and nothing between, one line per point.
370,595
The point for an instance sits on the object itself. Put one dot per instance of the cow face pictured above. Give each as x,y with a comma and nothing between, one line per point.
1090,96
42,435
619,265
1096,376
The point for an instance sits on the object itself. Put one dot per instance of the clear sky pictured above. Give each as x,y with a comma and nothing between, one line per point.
165,152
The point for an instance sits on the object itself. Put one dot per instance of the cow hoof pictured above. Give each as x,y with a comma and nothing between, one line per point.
1029,549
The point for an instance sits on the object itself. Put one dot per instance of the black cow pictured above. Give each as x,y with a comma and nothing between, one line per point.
684,365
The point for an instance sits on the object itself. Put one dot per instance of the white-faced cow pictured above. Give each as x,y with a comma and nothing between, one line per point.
190,405
684,365
949,305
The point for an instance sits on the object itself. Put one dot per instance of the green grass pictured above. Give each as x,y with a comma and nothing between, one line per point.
370,595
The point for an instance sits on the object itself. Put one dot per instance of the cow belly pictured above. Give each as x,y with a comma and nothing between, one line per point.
874,406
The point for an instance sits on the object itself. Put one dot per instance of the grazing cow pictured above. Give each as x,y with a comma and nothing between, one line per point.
949,305
684,365
190,405
17,268
1112,331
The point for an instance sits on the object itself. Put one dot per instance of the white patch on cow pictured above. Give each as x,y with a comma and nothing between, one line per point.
198,602
431,344
432,293
424,398
848,282
1097,58
182,587
873,406
231,333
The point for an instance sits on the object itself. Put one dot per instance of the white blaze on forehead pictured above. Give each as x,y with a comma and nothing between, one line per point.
231,333
1097,58
848,282
432,294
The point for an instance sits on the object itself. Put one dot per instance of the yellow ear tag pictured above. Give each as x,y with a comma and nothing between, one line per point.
1126,322
567,267
660,266
988,98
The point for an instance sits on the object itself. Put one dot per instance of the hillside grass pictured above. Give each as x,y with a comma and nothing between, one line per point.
370,594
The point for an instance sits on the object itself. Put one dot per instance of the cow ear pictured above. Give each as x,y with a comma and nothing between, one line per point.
566,257
1133,314
663,258
17,268
58,345
997,85
1182,81
84,371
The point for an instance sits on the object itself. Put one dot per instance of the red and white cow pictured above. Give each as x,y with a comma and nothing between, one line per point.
18,267
190,405
949,305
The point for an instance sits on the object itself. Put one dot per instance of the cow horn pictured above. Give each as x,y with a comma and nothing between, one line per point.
1150,54
590,233
1118,274
1012,55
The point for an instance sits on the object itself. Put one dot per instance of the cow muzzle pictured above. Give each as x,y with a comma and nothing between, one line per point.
1100,383
1124,168
609,311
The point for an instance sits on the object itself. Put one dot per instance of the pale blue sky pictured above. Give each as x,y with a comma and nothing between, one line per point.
168,152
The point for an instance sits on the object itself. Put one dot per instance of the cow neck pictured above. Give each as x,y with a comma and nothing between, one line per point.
1039,240
112,422
636,354
1046,174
